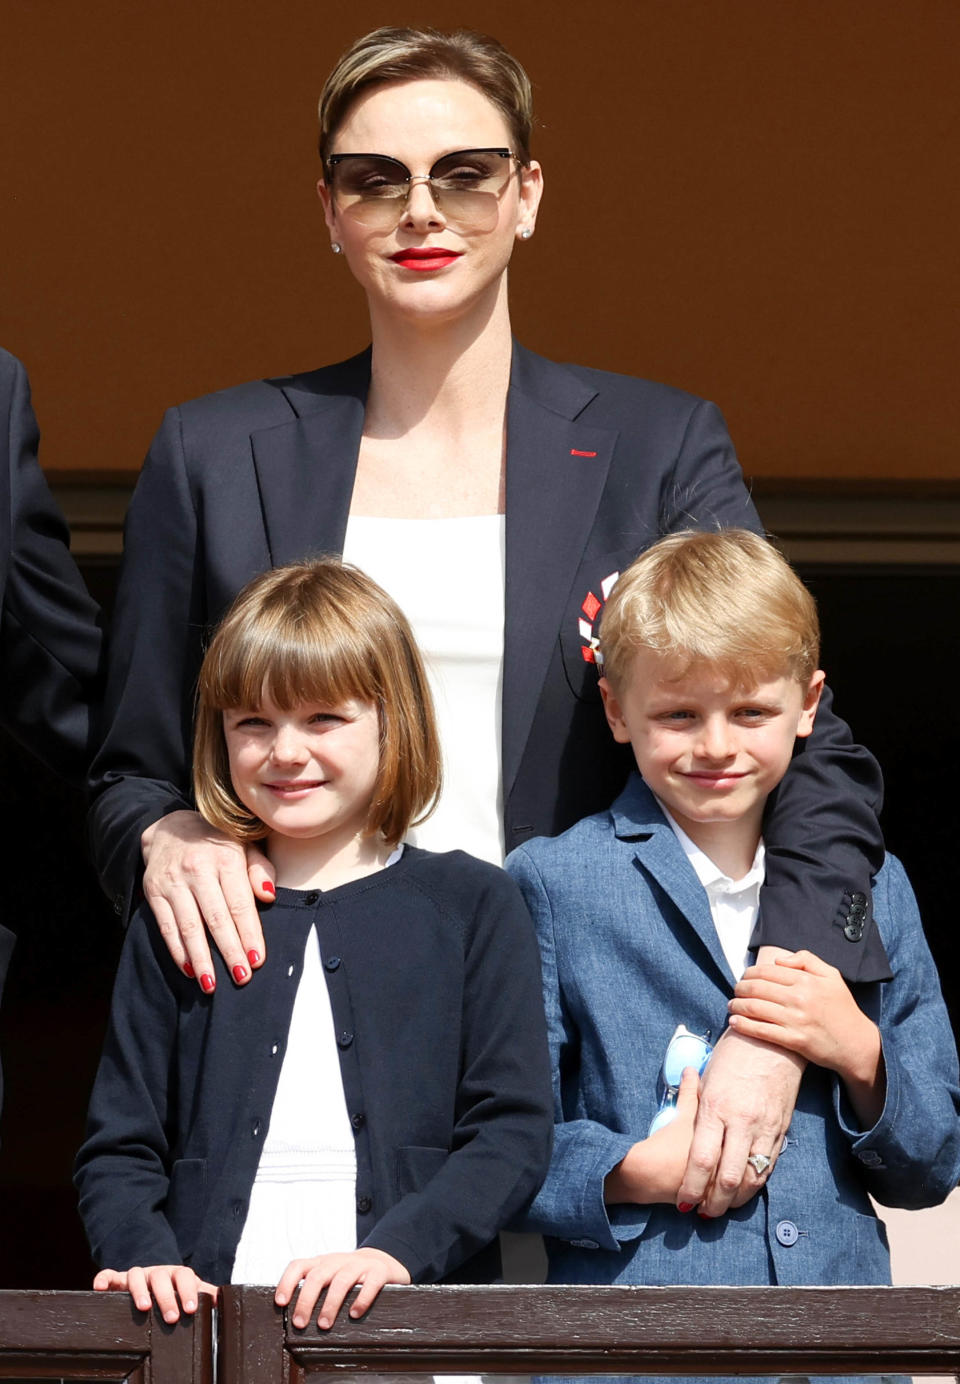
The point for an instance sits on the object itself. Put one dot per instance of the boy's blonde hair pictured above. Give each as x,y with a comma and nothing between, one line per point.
319,631
725,598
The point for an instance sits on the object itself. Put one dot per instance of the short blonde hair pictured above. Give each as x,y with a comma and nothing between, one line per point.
408,54
724,598
319,631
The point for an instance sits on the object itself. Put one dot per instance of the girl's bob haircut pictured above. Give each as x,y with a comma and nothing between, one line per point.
725,598
411,54
323,632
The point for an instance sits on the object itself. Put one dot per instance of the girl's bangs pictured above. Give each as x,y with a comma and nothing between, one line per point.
293,663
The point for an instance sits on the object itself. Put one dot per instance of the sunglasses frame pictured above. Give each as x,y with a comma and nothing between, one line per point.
410,180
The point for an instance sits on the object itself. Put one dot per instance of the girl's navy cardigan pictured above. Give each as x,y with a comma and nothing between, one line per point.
434,983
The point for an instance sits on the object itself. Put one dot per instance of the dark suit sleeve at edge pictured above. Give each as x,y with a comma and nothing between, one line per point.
821,831
49,636
142,769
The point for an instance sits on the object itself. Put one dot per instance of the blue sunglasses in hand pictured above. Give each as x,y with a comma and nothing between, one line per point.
685,1049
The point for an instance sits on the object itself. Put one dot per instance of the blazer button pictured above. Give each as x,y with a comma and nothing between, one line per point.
344,1040
311,897
332,963
853,932
787,1233
358,1120
364,1204
859,899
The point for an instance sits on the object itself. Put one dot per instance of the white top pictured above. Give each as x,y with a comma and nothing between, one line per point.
303,1200
447,576
734,903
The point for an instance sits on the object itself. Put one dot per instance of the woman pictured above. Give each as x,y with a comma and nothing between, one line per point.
486,488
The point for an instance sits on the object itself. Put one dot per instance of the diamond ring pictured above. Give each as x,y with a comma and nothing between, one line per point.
759,1162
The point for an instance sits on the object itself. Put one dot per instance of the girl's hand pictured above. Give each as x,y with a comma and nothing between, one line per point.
337,1273
653,1169
197,878
802,1004
164,1282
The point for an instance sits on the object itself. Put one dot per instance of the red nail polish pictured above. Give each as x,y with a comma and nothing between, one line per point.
253,957
703,1216
188,971
240,973
685,1206
207,984
268,888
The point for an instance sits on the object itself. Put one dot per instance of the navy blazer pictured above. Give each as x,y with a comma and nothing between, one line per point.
49,632
598,467
629,950
434,983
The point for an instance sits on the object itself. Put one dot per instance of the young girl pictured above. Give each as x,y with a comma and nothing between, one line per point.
379,1105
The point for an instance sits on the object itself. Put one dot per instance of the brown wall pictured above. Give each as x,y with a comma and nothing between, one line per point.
754,199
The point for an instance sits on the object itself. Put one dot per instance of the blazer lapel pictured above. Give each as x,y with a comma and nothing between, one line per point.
639,823
306,467
556,472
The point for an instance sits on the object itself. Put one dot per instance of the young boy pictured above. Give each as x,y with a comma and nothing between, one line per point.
644,913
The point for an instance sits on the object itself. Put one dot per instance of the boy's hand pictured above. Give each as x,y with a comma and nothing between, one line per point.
801,1003
196,879
337,1273
652,1170
161,1283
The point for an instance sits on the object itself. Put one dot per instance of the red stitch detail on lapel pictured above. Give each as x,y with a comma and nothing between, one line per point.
590,606
588,654
575,453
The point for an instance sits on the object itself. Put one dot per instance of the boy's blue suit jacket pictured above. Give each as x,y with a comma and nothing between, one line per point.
598,467
629,950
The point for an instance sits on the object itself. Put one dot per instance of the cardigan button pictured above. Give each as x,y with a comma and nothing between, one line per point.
344,1040
364,1204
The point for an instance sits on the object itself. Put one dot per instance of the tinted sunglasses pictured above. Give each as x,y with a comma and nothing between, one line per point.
466,186
685,1049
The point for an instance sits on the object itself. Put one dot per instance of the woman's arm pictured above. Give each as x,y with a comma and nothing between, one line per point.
141,813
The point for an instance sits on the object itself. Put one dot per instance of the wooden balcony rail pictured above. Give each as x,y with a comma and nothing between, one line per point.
86,1336
658,1331
497,1330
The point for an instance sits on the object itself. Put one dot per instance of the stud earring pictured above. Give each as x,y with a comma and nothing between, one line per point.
336,247
526,233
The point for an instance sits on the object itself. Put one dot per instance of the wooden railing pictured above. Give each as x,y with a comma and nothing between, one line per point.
83,1336
497,1330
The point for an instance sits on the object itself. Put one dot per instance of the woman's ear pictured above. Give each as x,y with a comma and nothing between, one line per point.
811,700
531,190
329,213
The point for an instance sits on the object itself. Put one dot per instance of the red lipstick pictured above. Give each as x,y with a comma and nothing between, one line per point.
425,259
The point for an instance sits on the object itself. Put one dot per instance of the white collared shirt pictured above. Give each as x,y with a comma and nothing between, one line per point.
734,903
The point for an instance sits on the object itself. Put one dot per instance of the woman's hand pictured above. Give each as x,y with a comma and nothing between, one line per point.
337,1273
747,1095
198,880
802,1004
652,1170
160,1283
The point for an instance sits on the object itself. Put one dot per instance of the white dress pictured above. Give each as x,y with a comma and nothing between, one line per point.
447,576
